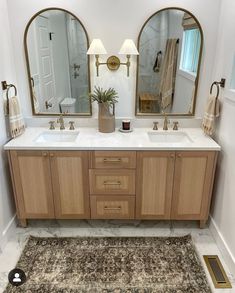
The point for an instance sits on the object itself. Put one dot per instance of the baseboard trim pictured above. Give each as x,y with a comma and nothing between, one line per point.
223,246
8,232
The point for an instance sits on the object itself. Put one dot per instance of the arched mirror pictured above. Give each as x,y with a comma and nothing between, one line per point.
170,48
56,43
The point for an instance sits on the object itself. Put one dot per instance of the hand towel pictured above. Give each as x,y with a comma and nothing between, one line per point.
16,121
168,73
211,112
192,101
35,102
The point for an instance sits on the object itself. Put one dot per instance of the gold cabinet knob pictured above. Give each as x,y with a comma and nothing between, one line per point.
172,156
179,156
44,154
52,155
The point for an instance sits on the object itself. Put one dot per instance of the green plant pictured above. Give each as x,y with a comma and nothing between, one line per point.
108,96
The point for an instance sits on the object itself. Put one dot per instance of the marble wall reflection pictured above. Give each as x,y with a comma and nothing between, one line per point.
163,27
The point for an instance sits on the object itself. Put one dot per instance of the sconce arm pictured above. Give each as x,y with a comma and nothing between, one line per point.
127,63
113,63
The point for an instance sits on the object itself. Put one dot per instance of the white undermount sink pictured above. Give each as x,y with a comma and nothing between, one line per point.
169,137
57,136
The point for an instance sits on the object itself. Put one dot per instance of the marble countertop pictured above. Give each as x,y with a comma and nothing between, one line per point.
92,139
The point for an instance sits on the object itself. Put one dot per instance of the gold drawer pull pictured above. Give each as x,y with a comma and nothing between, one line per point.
112,208
112,183
112,160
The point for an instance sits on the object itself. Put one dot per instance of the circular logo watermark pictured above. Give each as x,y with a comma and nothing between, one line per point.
17,277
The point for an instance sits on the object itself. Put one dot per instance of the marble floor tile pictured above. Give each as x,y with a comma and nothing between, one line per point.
204,242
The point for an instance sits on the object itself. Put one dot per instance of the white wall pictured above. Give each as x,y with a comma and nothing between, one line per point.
100,21
6,73
223,212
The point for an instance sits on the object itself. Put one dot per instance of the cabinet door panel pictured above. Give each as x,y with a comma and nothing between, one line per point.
70,184
32,181
194,172
154,184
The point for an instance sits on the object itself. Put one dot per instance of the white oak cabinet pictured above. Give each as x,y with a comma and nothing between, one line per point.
193,183
50,184
113,184
155,171
70,184
175,185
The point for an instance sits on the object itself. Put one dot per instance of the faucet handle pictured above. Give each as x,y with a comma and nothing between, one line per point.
71,127
52,125
155,125
175,125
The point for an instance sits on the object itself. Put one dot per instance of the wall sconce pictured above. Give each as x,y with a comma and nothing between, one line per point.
113,62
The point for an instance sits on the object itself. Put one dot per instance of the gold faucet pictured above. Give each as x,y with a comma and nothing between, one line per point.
61,121
166,121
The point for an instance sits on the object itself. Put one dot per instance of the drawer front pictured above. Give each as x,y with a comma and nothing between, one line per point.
113,160
112,207
112,182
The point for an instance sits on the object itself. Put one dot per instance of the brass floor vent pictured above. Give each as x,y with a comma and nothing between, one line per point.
216,271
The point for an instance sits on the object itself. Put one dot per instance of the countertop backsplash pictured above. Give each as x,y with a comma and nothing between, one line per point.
136,122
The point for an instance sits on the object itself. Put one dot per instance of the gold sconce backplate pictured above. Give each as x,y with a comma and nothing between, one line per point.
113,63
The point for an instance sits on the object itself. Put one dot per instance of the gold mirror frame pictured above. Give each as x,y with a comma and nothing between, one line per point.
89,114
137,113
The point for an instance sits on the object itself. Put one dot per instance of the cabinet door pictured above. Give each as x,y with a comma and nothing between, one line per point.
193,181
70,184
32,184
154,184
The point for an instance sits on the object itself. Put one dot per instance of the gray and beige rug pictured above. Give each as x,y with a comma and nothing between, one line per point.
117,265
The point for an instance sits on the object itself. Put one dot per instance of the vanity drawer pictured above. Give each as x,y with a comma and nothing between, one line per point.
112,181
112,207
113,160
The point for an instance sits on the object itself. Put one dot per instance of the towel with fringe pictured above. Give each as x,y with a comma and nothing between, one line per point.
35,102
212,111
168,73
16,121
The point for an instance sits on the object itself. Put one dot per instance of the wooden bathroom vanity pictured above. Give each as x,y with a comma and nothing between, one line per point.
107,184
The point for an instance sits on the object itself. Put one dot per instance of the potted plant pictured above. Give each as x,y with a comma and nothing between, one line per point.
106,100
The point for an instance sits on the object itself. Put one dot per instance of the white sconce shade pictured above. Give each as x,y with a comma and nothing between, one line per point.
96,48
113,62
128,48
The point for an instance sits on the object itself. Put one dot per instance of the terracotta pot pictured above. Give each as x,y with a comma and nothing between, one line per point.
106,119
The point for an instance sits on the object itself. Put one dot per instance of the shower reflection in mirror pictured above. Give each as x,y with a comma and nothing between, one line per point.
56,45
170,45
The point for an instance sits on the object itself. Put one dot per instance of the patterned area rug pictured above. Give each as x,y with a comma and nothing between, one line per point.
117,265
